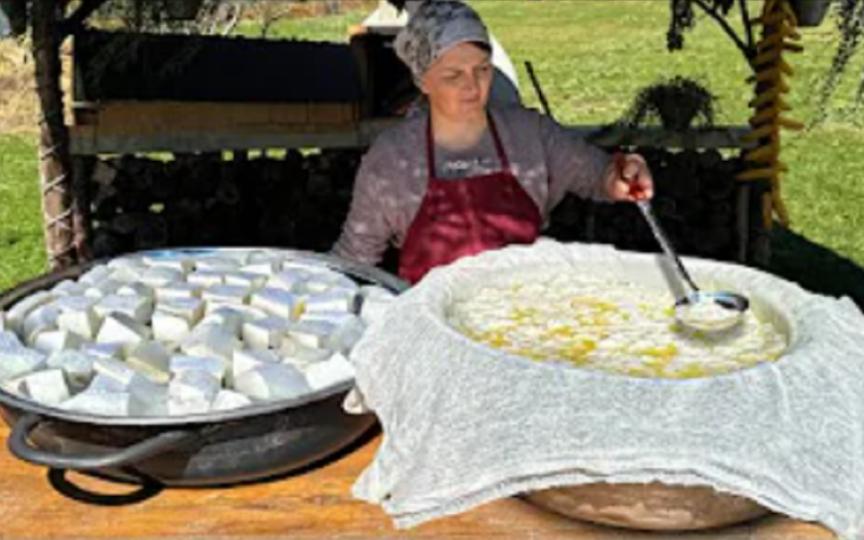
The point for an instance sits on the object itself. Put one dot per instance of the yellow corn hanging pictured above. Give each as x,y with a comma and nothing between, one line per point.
769,72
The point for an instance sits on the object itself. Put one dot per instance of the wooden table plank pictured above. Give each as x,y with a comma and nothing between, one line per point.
315,505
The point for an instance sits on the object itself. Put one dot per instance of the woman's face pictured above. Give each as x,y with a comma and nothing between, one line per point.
457,84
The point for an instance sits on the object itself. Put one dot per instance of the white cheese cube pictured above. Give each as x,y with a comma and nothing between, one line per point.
159,276
217,264
47,387
308,266
246,313
76,365
95,275
215,366
151,359
316,334
17,313
75,303
341,281
178,290
245,279
189,309
117,370
226,294
103,383
123,329
289,279
179,263
137,289
84,323
347,334
135,262
103,288
265,268
192,392
265,333
115,404
132,380
297,354
278,302
68,287
170,328
15,358
331,372
211,340
331,300
206,278
56,341
15,386
103,350
227,400
41,319
271,382
136,307
130,274
230,318
247,359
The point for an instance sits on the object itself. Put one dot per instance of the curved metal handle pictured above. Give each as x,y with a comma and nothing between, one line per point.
21,448
666,245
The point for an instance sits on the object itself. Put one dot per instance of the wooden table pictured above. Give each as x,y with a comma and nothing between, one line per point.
314,505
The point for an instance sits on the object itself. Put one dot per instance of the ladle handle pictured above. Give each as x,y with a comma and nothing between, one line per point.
665,244
645,206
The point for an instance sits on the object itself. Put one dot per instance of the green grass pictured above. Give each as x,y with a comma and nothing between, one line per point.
21,248
591,57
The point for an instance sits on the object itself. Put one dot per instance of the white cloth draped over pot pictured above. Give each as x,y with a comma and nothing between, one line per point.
465,424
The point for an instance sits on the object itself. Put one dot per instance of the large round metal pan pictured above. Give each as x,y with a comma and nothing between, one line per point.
240,445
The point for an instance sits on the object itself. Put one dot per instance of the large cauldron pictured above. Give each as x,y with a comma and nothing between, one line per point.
240,445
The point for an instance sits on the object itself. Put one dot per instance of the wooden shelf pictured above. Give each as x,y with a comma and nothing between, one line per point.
133,127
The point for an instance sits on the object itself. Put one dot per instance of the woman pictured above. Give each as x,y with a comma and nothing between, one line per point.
466,177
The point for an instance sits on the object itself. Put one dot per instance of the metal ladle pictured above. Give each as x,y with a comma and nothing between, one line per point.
711,311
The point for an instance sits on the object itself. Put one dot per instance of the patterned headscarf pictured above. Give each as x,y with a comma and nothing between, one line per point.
435,27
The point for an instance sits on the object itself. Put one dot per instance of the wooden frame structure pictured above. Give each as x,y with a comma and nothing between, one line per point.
64,150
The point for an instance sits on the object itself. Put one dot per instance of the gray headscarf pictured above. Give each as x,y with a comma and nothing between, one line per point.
435,27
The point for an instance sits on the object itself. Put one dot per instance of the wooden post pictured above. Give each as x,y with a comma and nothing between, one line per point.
82,174
54,159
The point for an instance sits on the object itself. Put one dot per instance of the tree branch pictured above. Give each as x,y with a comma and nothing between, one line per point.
748,27
74,22
747,52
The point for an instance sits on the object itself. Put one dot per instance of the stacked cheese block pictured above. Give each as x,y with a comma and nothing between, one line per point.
594,323
172,334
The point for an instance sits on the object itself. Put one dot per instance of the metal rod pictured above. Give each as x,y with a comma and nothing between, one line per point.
660,235
536,84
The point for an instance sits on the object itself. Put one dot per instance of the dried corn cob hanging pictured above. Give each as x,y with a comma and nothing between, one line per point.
770,73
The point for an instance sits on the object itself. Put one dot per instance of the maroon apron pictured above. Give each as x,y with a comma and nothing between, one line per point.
466,216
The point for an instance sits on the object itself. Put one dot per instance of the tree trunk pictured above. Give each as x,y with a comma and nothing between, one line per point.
54,160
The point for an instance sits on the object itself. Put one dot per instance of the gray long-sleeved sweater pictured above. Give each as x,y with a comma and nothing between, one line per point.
391,182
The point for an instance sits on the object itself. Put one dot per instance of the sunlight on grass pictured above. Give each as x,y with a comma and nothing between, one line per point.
21,248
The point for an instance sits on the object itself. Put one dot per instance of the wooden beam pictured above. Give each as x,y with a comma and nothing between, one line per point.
90,140
54,158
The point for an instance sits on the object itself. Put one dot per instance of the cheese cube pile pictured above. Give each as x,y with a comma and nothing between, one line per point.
175,334
593,323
